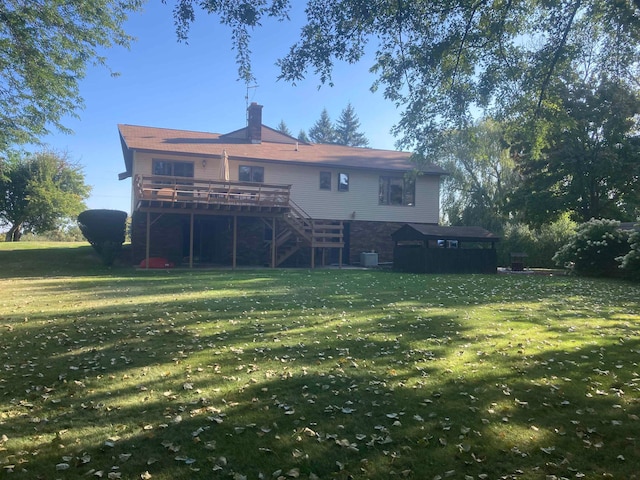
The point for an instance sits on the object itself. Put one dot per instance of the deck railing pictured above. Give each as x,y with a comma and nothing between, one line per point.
167,191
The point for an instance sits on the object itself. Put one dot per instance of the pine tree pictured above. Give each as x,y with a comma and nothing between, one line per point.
322,131
282,128
302,136
346,129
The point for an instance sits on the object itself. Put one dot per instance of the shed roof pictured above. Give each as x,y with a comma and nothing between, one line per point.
413,231
275,147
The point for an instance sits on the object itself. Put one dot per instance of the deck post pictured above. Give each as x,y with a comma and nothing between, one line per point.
342,243
235,241
148,238
273,242
313,245
191,241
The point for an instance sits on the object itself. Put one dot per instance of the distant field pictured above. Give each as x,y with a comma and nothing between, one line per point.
323,374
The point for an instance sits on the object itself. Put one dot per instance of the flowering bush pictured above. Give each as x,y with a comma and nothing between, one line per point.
630,262
595,249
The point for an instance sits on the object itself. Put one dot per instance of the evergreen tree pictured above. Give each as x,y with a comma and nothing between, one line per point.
347,129
323,131
302,136
282,128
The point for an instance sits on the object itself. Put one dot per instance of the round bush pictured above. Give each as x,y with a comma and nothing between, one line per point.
105,231
594,249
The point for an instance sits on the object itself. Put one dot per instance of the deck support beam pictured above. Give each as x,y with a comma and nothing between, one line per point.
235,241
191,240
273,242
148,239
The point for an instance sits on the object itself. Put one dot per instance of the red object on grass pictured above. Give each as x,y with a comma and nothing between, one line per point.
157,262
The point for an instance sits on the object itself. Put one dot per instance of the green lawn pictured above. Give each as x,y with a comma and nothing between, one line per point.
283,374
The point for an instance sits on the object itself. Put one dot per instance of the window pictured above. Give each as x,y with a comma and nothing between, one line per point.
397,191
249,173
325,180
343,182
173,169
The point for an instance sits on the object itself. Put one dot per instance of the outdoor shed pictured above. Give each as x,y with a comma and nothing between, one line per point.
437,249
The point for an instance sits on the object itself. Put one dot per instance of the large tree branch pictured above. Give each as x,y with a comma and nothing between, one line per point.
463,41
556,56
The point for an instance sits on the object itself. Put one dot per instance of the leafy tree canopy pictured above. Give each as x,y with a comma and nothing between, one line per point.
444,59
39,191
46,47
591,163
482,173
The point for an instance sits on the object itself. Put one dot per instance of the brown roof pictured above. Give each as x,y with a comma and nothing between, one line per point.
275,147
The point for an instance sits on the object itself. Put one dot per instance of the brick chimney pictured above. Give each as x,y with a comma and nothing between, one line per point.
254,127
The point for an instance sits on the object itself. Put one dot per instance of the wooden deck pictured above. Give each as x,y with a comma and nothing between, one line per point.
181,195
153,193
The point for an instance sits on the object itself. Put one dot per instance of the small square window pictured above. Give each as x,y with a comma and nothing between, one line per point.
325,180
343,182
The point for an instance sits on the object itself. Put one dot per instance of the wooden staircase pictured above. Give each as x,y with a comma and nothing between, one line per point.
305,232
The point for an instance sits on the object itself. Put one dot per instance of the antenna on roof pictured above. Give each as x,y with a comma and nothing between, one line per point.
246,100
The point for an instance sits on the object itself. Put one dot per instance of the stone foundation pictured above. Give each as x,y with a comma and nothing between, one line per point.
214,241
372,237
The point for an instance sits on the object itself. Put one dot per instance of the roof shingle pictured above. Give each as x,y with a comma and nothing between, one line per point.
274,148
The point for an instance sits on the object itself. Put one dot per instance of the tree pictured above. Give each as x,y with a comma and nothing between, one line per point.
282,128
443,60
591,163
46,47
481,176
40,191
302,136
346,129
323,131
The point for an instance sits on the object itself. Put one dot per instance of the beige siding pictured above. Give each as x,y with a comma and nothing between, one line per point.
359,203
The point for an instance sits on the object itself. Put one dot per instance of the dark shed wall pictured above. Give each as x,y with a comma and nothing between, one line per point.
417,259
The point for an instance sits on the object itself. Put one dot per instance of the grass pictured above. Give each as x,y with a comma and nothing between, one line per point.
116,373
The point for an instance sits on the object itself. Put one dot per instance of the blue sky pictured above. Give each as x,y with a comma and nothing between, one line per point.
194,86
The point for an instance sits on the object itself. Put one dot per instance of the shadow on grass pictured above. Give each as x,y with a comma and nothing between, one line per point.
346,422
337,374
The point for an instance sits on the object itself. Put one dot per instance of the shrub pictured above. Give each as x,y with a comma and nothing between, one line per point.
70,233
105,231
594,249
539,244
630,263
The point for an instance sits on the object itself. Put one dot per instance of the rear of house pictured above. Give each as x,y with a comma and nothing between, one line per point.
258,197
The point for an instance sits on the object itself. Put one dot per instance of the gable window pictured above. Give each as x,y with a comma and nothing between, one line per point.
172,168
343,182
325,180
249,173
396,191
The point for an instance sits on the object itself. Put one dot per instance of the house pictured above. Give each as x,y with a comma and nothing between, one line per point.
438,249
255,196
